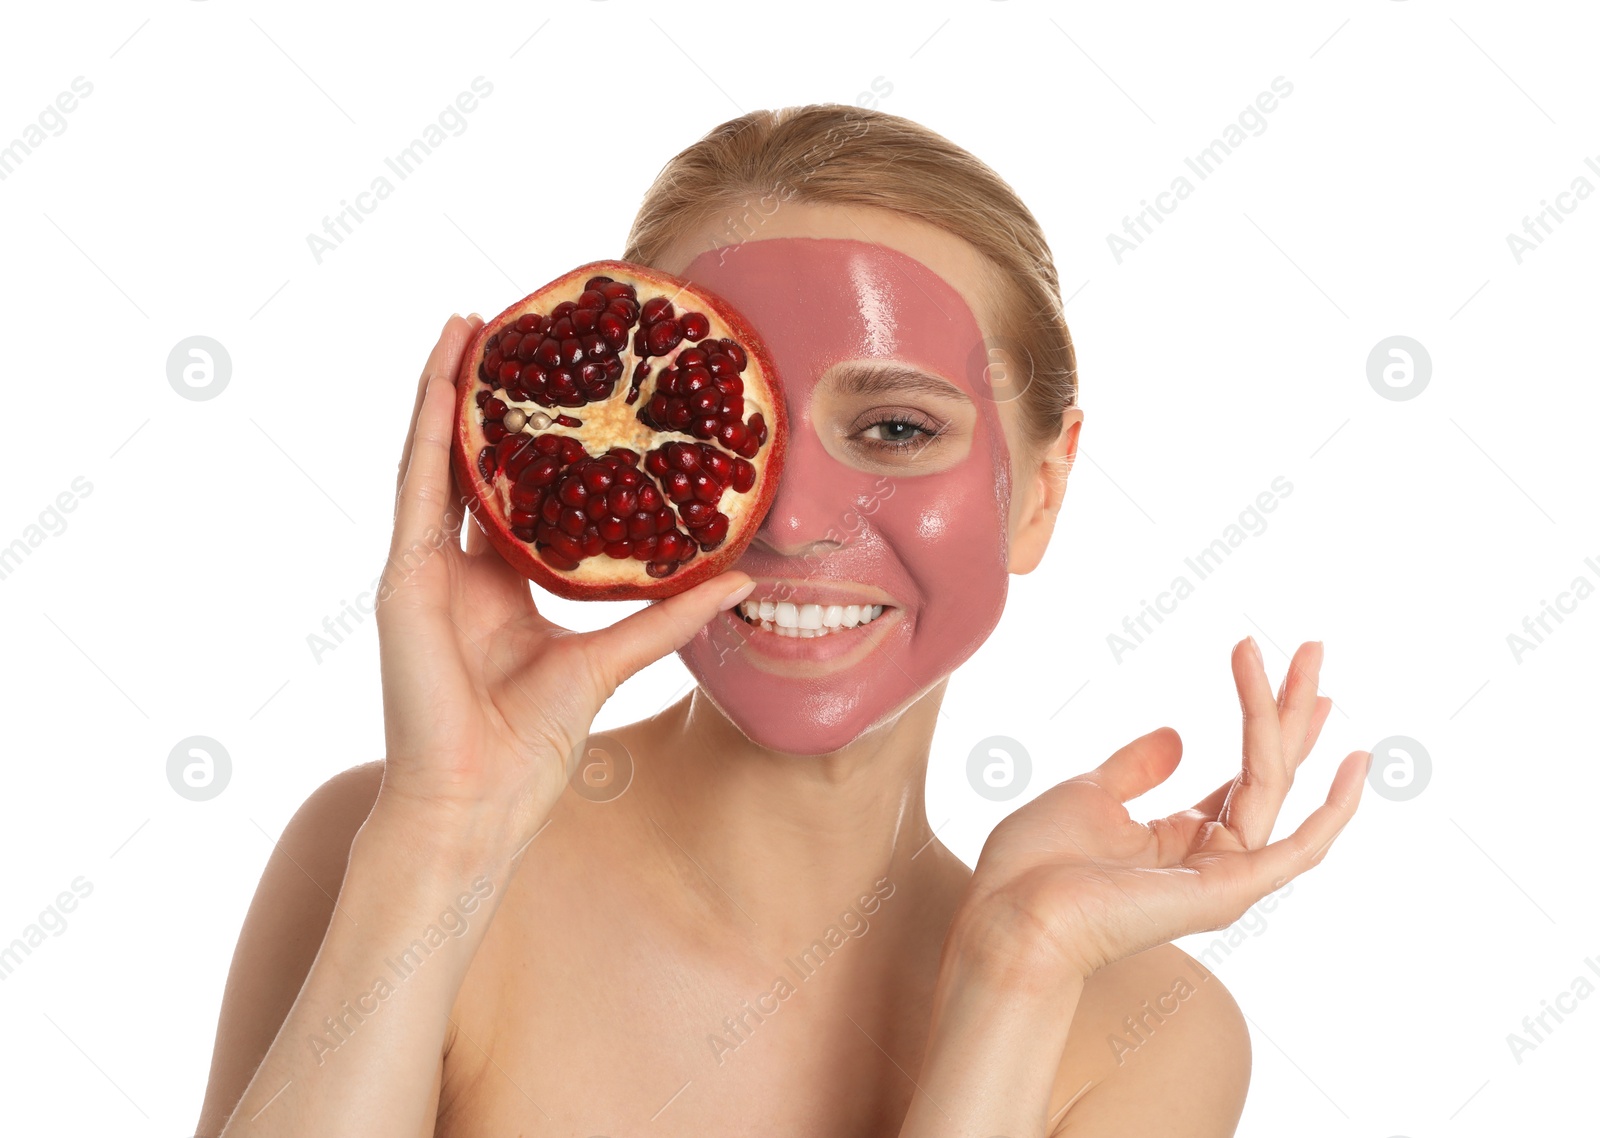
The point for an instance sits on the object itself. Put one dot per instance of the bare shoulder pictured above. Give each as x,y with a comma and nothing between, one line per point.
282,932
1157,1045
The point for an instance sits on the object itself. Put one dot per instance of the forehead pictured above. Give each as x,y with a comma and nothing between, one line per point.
956,263
820,301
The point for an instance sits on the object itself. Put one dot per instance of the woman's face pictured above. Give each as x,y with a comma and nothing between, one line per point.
897,491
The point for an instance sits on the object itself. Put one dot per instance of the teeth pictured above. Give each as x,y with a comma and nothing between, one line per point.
807,621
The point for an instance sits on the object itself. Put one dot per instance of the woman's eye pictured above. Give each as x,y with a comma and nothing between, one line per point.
898,434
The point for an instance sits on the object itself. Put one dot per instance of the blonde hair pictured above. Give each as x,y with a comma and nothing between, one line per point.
833,153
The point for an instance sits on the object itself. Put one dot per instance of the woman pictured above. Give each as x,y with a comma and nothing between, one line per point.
762,935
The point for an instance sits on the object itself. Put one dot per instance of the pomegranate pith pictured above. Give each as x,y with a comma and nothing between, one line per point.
602,489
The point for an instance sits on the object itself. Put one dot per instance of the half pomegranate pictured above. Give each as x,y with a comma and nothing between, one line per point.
619,433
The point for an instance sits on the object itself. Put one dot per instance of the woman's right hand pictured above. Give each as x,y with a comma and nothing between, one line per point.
487,704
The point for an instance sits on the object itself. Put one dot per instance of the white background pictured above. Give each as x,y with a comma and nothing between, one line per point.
1229,349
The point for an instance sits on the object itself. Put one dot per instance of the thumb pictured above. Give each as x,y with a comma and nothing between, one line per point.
618,652
1140,766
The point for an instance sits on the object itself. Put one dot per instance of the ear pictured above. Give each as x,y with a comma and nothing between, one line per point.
1042,488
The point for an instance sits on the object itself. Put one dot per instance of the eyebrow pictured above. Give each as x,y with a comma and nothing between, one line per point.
890,379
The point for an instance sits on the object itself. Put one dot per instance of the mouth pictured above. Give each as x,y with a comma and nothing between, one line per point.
808,620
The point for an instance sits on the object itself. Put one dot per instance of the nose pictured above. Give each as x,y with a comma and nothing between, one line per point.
814,497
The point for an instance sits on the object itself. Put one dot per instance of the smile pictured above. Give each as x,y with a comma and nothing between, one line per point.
807,621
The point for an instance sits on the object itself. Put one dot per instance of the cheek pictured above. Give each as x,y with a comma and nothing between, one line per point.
949,531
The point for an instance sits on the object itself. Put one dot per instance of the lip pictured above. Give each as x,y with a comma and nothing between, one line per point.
818,655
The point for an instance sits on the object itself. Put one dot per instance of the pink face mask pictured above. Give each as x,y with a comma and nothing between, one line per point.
930,547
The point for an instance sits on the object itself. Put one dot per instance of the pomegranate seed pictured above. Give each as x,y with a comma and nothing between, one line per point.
527,322
567,545
612,528
695,326
486,463
644,549
663,337
551,510
661,568
493,431
656,308
706,488
541,471
713,533
555,560
622,501
571,491
744,476
621,550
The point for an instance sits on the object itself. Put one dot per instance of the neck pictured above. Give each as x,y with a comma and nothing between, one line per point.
779,840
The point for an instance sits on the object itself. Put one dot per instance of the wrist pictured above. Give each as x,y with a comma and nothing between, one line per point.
1010,947
438,842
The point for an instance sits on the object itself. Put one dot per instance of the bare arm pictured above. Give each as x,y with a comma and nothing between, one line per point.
476,754
1069,886
360,1051
282,932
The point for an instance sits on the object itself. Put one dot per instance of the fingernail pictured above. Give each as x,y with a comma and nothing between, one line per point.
474,316
736,596
1256,648
1369,763
453,316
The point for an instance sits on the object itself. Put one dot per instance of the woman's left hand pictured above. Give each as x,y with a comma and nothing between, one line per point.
1071,881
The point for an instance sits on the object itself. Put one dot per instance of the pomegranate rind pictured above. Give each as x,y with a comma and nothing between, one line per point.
602,578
